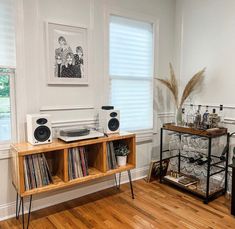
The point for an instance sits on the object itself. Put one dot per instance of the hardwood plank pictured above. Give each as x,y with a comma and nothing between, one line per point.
155,206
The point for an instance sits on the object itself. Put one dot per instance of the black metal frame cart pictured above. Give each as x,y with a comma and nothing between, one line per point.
233,189
221,165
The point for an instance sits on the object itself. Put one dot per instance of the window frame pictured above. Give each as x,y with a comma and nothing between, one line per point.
5,145
155,26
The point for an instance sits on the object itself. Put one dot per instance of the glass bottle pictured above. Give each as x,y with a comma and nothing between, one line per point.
190,116
205,121
201,113
202,161
198,117
213,119
195,158
221,116
184,120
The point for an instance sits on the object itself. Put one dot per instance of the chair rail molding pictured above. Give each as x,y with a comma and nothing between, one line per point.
165,114
66,108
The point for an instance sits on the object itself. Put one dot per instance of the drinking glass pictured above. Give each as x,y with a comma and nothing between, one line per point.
173,164
203,145
203,183
184,143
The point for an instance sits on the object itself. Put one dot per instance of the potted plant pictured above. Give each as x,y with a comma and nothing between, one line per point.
121,151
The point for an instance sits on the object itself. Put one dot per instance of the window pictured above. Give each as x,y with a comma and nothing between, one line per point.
131,71
6,80
7,68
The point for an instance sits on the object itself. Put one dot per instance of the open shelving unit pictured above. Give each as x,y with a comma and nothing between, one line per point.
56,155
222,165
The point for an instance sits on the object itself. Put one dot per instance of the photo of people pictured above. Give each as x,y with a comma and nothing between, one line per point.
67,52
68,63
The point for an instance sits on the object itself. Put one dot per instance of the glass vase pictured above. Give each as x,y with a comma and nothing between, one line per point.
178,117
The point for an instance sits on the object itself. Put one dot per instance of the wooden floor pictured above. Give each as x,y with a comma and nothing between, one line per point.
156,206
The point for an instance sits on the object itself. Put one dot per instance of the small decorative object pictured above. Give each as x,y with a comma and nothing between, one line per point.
121,151
172,85
154,169
67,49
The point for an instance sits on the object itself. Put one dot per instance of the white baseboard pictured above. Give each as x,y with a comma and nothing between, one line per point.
39,202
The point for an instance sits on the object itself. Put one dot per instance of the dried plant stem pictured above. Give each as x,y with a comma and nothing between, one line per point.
192,85
172,85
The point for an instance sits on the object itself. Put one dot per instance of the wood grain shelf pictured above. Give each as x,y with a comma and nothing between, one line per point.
196,191
215,132
56,155
25,148
59,183
121,169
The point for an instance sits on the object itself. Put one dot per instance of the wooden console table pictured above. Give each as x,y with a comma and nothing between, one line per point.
57,152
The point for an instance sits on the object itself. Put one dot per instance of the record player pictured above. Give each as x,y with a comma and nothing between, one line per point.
76,134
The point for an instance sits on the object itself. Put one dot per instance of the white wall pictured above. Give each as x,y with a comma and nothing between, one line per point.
34,95
205,32
207,40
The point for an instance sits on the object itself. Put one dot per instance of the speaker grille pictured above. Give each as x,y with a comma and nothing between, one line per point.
42,133
113,124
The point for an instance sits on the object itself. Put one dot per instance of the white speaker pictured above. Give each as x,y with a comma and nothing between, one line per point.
39,129
109,120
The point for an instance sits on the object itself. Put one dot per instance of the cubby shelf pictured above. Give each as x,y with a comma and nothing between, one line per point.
56,154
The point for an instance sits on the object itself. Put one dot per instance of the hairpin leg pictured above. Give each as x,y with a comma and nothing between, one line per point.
17,197
30,204
22,200
18,205
117,184
132,192
22,208
115,180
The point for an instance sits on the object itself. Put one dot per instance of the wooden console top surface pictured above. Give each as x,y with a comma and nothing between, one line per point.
25,148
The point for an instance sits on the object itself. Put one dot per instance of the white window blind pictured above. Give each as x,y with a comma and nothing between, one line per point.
7,70
7,38
131,71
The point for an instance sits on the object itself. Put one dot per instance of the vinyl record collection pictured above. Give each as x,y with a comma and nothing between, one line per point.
111,159
78,163
36,171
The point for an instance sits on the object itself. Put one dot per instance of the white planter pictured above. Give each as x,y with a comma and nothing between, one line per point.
121,160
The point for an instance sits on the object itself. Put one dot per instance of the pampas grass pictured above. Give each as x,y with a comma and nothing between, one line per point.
192,85
172,85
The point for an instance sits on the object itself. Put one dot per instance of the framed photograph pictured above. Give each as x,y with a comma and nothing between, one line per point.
67,51
154,170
